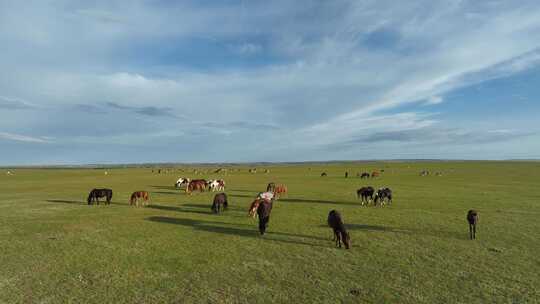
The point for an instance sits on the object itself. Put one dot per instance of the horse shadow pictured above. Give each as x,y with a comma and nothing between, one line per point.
408,231
179,209
165,187
299,200
211,226
165,192
67,202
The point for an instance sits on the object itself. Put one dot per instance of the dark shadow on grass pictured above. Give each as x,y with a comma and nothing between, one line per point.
67,202
408,231
210,226
82,202
165,192
299,200
167,187
179,209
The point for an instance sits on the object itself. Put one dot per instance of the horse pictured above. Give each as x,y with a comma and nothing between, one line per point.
340,233
271,187
375,174
134,200
424,173
95,194
280,190
253,207
364,175
220,202
324,174
383,193
181,181
220,185
196,184
366,194
472,218
263,210
346,174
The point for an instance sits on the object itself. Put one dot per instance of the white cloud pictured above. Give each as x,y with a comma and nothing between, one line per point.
328,71
23,138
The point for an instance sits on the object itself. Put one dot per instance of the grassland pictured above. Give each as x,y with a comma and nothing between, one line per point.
54,248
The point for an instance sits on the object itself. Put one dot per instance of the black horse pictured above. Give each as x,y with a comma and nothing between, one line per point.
271,187
366,194
383,193
365,175
95,194
264,209
340,233
472,218
220,202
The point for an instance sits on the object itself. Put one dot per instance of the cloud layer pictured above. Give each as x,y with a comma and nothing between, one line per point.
273,80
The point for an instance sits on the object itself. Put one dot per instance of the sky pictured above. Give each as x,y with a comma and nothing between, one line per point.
242,81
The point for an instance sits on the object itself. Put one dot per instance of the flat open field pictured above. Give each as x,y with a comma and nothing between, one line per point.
54,248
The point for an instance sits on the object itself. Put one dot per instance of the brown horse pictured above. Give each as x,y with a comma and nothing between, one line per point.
375,174
134,200
280,190
196,184
254,206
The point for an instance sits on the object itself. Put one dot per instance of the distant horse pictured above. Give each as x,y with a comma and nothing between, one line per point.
181,181
220,202
134,200
472,218
346,174
375,174
381,194
263,210
253,170
280,190
365,175
324,174
366,194
95,194
340,233
196,184
424,173
271,187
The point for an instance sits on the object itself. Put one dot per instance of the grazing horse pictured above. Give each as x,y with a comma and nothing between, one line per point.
220,202
181,181
134,200
346,174
263,210
383,193
324,174
196,184
95,194
340,233
280,190
472,218
365,175
424,173
271,187
253,207
375,174
366,194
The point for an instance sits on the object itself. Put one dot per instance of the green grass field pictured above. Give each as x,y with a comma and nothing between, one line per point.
54,248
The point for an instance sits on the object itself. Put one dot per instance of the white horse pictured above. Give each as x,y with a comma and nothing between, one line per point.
181,181
212,184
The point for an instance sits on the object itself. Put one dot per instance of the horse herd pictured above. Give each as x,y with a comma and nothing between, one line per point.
261,206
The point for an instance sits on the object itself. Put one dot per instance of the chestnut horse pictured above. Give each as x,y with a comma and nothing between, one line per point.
196,184
134,200
280,190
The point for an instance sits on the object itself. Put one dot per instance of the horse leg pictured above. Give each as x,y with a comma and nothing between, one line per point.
474,231
470,231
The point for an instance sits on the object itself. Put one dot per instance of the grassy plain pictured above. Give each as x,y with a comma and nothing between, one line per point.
54,248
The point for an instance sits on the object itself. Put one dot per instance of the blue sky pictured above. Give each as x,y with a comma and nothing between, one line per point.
208,81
